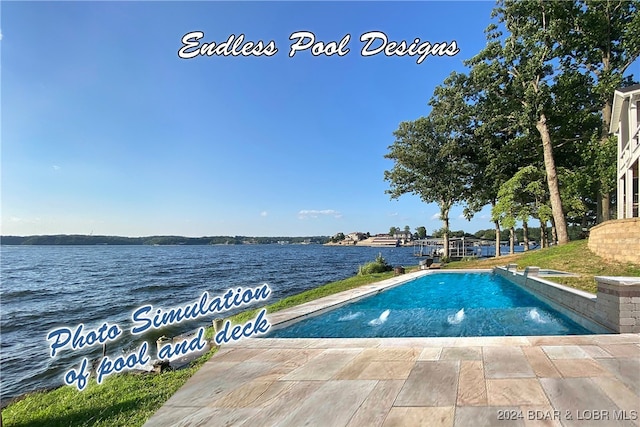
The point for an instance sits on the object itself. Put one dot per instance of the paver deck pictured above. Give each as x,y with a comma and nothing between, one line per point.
587,380
511,381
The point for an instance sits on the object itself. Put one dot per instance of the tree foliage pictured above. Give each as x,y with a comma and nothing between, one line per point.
539,94
427,163
526,129
601,41
525,57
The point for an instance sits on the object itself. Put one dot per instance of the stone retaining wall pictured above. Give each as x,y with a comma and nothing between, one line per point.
617,240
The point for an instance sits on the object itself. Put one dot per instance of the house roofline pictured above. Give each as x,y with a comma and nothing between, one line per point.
619,96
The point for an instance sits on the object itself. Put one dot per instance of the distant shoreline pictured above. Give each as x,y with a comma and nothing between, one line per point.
91,240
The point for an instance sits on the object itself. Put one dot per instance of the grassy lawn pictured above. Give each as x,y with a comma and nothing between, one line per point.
574,257
126,399
130,399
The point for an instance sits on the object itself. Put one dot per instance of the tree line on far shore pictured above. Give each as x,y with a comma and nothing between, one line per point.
75,239
526,128
534,234
420,233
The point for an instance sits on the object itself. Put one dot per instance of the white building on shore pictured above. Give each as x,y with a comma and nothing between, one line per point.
625,124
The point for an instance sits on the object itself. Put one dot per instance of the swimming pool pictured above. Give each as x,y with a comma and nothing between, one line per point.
439,305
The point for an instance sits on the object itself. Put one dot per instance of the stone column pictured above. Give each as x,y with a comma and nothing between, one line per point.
621,195
629,193
618,303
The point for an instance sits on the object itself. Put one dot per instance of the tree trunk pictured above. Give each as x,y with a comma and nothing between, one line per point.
605,202
543,234
552,181
604,197
497,238
512,238
554,232
446,237
525,235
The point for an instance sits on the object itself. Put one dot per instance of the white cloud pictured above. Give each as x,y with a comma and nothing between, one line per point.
56,167
393,214
24,220
306,213
264,213
435,216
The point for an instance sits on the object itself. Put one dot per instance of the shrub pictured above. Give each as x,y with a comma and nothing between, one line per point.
380,265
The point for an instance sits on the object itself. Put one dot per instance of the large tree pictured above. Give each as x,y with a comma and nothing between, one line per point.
498,148
528,54
602,41
426,164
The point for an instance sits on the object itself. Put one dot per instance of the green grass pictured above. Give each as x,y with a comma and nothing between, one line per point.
126,399
574,257
130,399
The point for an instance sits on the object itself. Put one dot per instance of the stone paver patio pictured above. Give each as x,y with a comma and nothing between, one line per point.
514,381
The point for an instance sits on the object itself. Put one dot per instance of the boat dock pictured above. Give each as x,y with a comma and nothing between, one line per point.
459,248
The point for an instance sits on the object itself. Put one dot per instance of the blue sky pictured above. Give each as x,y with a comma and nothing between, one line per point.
106,130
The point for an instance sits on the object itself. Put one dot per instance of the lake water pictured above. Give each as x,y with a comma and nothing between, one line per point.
48,287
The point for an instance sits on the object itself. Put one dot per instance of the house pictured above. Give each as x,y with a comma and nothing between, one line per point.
356,236
383,240
402,235
619,239
625,124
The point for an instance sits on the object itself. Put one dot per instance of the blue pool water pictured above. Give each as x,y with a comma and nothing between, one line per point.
439,305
